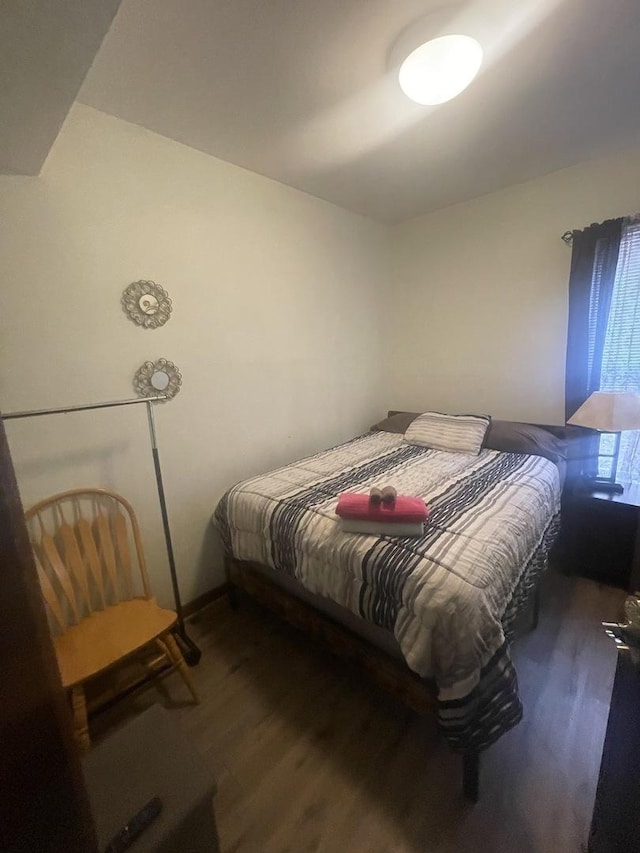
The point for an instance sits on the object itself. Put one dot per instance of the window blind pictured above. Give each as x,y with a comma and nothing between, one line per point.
596,314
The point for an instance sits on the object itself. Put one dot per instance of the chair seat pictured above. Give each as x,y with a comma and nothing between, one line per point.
106,636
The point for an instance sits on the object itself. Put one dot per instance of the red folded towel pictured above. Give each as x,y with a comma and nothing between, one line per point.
358,507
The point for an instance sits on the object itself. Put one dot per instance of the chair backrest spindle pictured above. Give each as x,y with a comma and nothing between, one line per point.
107,552
124,552
53,560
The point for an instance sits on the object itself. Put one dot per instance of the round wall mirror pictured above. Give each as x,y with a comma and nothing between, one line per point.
157,377
160,380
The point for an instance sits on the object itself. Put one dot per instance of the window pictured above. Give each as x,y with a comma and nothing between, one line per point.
621,353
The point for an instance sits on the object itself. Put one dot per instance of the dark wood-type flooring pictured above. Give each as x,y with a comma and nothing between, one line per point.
310,757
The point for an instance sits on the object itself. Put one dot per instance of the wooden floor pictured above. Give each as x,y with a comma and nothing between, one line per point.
309,757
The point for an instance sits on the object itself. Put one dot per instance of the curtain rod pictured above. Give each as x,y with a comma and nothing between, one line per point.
63,410
634,219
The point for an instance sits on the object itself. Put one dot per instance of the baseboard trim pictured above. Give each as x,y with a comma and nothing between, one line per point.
203,600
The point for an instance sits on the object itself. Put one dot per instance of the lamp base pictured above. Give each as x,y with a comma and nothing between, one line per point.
604,486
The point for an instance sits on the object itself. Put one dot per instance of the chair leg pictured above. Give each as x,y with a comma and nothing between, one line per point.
175,656
80,720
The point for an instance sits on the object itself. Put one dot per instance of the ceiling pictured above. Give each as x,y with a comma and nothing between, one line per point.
305,92
45,51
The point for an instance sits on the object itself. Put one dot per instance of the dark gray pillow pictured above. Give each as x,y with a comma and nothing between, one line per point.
516,437
397,422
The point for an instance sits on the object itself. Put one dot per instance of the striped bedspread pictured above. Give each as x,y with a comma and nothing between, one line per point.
450,596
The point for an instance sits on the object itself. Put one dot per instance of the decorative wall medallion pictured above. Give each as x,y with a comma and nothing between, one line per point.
147,304
157,377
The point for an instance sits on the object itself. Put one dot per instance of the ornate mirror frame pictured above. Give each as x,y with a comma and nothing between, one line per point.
147,304
157,377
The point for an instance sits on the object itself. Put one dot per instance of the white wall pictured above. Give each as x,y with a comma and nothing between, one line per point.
286,312
478,317
275,327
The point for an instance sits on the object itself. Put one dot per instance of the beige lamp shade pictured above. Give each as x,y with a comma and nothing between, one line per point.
609,411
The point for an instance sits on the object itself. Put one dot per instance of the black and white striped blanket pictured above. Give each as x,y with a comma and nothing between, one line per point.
448,597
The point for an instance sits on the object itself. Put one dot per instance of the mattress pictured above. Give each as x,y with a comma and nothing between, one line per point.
446,596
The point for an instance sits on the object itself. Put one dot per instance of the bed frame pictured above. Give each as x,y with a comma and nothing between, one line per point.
389,673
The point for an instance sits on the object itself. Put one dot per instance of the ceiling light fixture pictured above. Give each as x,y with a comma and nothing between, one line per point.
440,69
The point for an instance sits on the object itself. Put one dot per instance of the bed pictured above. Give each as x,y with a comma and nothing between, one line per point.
436,612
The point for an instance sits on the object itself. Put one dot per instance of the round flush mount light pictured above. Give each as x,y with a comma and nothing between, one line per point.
440,69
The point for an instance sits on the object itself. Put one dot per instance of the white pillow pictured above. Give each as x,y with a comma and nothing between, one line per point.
453,433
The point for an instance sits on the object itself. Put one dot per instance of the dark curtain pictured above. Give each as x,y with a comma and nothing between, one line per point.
593,269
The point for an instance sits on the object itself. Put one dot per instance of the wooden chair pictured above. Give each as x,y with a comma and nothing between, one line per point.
96,590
